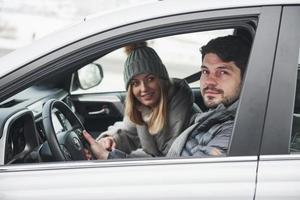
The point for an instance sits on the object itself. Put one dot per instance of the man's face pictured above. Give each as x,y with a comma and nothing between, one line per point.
220,81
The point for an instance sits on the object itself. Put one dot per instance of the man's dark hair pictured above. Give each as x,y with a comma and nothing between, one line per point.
229,48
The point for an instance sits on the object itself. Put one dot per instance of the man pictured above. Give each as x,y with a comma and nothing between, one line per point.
224,61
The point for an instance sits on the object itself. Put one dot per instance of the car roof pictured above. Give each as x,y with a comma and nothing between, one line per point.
115,18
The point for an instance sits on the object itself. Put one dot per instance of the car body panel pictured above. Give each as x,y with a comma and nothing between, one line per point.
278,177
133,180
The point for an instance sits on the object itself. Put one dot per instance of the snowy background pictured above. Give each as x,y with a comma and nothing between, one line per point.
23,21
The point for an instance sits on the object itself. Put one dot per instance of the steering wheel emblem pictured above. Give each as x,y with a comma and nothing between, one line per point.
76,143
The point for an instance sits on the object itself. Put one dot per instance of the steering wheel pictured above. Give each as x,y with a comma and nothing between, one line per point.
66,144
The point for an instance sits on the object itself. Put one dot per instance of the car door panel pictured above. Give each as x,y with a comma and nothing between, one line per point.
211,178
278,177
98,111
278,172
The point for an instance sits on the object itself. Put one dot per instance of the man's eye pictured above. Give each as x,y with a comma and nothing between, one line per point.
223,72
204,71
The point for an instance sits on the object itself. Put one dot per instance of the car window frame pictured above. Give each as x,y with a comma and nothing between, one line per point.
256,83
278,122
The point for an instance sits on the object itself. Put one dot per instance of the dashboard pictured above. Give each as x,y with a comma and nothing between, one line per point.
16,139
23,131
21,137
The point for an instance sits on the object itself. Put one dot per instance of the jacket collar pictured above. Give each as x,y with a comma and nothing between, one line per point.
219,113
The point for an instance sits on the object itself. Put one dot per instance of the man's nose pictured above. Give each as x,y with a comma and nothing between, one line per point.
211,79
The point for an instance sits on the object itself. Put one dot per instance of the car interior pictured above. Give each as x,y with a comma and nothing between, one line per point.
295,138
49,106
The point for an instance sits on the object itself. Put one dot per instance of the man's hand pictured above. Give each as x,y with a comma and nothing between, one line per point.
97,148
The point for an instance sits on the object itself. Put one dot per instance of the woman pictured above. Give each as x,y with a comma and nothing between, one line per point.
157,110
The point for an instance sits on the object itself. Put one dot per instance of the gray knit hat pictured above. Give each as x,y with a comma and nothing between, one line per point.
143,60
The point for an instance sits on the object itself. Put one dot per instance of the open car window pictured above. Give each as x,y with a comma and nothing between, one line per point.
101,106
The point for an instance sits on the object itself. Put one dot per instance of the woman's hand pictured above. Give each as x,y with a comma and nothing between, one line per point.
108,143
97,148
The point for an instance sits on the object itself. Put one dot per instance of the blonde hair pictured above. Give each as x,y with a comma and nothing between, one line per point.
158,119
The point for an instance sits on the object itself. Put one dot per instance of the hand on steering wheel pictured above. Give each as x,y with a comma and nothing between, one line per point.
98,148
67,144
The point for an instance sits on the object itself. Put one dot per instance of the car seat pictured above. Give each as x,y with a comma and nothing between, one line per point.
295,138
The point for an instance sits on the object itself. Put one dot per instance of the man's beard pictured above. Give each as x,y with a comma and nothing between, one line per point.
225,100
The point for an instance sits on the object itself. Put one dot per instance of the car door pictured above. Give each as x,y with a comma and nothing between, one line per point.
232,177
98,111
278,171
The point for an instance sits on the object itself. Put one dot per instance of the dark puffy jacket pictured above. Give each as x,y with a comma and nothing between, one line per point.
208,136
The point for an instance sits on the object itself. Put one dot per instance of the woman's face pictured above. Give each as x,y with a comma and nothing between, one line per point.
146,89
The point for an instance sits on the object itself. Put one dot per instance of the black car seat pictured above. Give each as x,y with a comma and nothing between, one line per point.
295,138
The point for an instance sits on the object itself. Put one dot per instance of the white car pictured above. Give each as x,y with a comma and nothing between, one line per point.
263,160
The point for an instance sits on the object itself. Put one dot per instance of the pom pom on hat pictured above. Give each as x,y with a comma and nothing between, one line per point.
142,60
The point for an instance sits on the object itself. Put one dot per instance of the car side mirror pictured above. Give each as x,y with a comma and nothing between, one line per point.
90,76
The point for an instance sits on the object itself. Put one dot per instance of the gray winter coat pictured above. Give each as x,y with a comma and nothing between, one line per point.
129,136
208,136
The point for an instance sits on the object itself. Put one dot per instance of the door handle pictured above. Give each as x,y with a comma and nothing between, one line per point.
100,112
